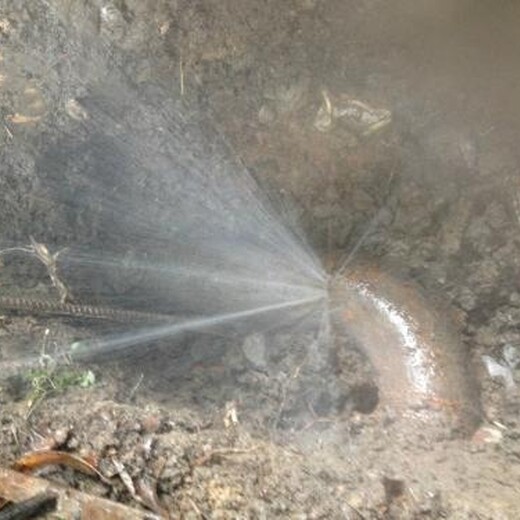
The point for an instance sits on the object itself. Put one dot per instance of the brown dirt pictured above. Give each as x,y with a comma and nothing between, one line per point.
445,172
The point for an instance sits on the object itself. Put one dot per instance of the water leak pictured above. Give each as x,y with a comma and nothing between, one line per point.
142,336
301,199
158,203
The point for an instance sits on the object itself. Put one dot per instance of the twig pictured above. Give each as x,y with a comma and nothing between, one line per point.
285,389
181,71
358,513
298,369
132,393
125,478
50,262
196,508
41,251
204,459
316,419
9,133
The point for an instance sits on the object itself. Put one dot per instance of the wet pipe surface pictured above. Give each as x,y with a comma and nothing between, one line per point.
423,368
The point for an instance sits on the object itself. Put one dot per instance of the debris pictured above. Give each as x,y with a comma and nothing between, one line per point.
20,119
323,120
50,261
487,435
41,251
147,446
359,117
61,435
31,507
230,415
134,389
75,110
499,370
143,491
16,487
124,476
147,493
164,27
50,440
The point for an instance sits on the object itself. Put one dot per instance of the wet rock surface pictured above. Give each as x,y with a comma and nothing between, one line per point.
441,177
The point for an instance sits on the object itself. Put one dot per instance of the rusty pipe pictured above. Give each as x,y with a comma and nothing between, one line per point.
422,366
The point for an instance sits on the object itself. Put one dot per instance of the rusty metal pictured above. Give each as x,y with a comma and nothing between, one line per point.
422,367
58,308
72,504
30,508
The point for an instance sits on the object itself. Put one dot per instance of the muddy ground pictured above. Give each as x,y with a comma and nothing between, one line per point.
262,426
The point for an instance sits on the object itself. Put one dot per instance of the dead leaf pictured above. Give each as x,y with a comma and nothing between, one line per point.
39,459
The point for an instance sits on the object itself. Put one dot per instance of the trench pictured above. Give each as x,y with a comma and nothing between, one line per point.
219,166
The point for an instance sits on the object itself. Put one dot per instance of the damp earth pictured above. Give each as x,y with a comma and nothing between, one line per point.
214,163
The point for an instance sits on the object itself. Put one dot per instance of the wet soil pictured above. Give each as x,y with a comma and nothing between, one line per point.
273,425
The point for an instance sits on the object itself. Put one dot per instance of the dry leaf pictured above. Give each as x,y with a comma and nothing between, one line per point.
38,459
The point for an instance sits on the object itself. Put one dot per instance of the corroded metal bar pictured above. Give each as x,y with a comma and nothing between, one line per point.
57,308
